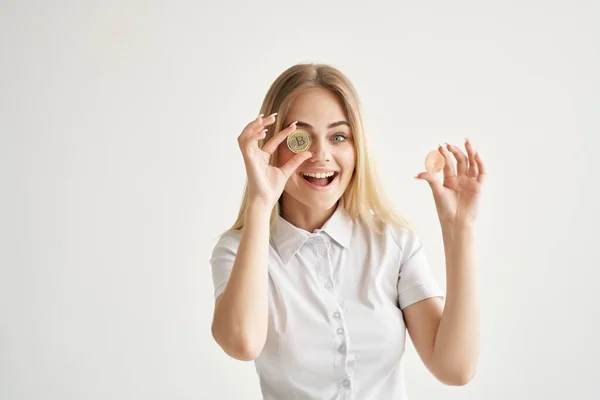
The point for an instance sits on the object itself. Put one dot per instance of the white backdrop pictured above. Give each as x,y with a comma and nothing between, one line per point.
119,166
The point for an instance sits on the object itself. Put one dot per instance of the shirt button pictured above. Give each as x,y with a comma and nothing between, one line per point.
345,382
340,331
327,285
337,315
342,349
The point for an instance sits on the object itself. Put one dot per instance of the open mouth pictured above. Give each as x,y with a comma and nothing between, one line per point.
320,182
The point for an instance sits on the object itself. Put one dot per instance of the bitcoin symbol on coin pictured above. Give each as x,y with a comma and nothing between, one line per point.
299,141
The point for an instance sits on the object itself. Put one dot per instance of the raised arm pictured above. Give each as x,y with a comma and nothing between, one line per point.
241,311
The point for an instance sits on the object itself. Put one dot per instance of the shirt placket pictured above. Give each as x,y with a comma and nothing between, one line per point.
344,361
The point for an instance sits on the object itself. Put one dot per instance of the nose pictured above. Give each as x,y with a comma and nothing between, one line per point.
321,150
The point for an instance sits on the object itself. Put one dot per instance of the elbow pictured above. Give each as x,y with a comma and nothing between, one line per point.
463,379
237,348
457,377
245,352
453,372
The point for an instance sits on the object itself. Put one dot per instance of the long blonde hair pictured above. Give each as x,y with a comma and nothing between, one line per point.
364,198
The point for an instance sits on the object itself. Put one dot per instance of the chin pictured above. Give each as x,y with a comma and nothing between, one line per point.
320,204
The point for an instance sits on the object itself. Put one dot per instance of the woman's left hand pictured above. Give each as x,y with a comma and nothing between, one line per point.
457,197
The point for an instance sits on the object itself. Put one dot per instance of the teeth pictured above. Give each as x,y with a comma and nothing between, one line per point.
318,174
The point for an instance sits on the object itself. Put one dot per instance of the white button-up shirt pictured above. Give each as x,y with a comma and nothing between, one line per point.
336,297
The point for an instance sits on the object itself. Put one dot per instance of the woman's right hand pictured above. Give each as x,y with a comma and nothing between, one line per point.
266,182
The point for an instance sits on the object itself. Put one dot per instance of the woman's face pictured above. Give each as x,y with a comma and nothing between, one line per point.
319,112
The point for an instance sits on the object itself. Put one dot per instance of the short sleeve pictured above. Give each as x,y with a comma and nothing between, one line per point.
222,259
415,281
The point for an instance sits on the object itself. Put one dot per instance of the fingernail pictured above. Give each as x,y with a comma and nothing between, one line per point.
260,116
416,177
272,115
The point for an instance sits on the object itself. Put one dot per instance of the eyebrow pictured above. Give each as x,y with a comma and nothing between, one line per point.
331,125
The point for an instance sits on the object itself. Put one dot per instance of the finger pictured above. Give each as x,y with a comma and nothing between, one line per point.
251,126
473,171
261,135
248,142
461,159
257,125
449,168
293,163
482,171
433,181
274,142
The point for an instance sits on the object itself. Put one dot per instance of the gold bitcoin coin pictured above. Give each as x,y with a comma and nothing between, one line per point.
434,162
298,141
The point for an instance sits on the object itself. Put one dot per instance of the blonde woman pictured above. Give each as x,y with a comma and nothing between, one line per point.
319,279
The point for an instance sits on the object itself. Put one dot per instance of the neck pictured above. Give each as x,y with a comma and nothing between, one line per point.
303,216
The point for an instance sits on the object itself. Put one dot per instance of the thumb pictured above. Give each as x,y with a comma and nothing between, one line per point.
431,179
289,167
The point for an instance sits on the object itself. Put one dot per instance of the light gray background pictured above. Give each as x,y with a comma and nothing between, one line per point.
119,166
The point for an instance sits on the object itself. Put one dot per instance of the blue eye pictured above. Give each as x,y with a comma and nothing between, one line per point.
340,135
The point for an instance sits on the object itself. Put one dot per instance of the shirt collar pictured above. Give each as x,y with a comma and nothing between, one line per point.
288,239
